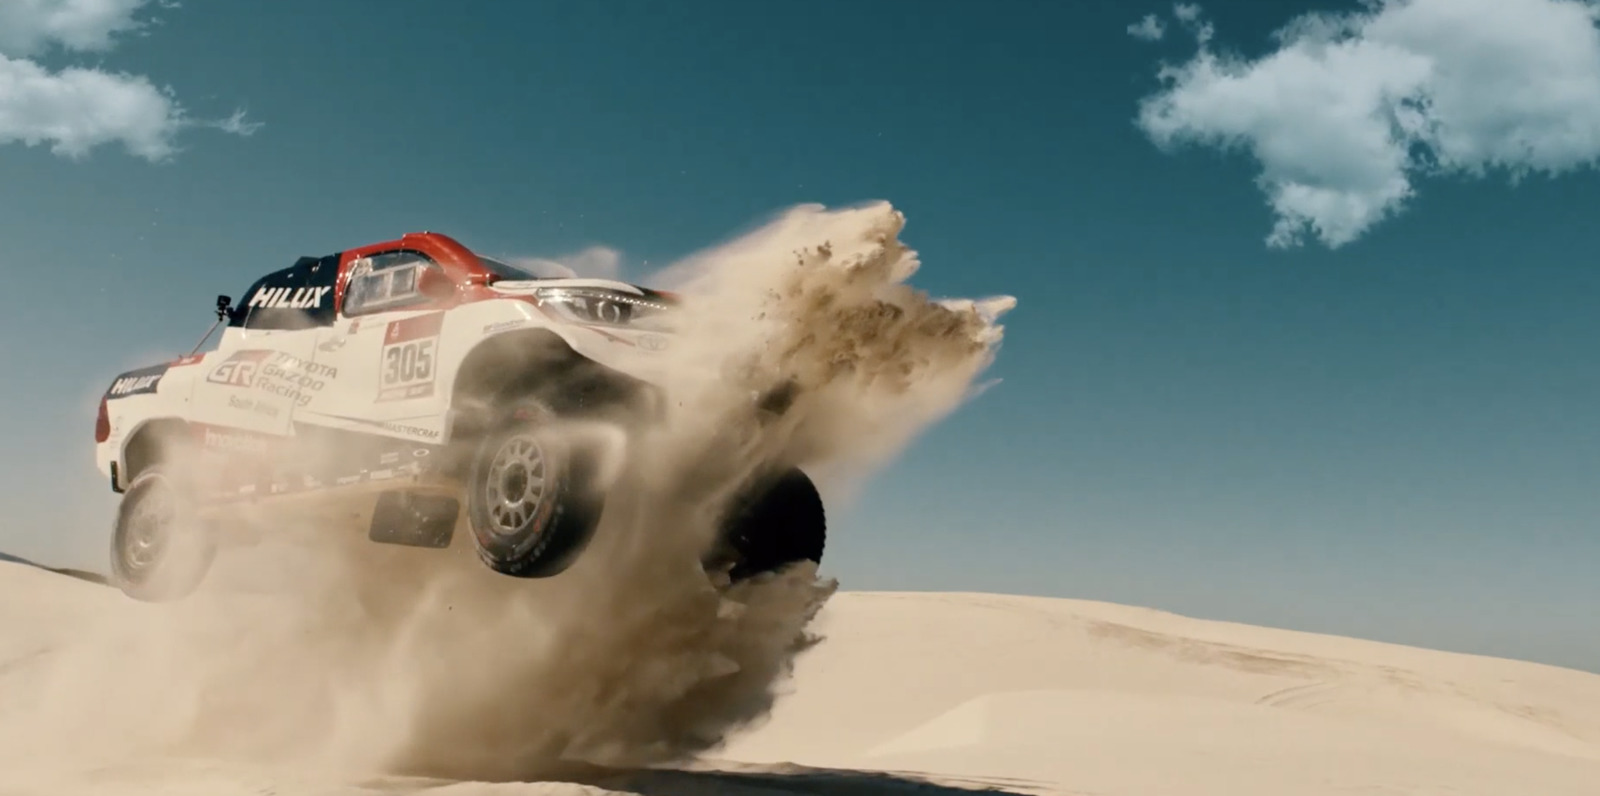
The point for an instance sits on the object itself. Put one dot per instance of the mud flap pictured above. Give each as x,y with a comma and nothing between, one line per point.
414,520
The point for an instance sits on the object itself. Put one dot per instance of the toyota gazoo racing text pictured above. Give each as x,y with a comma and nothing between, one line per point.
412,383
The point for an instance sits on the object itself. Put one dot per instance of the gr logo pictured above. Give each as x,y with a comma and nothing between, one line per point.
240,369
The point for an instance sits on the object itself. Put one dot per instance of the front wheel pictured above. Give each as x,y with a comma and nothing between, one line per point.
531,499
160,549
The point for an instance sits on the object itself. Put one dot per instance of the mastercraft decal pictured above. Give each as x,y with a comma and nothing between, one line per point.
410,430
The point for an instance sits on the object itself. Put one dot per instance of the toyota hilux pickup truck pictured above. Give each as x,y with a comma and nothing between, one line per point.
419,386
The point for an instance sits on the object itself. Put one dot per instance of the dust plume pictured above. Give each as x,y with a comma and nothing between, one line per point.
334,654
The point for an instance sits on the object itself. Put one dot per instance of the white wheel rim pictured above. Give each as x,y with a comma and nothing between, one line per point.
514,486
146,528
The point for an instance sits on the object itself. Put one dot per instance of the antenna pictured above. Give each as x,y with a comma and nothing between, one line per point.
224,309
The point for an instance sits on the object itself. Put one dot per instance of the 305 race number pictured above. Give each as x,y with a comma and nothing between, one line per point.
410,358
408,363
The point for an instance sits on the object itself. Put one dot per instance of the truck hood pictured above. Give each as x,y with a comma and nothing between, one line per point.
527,287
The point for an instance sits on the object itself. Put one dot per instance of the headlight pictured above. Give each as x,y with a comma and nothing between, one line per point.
604,307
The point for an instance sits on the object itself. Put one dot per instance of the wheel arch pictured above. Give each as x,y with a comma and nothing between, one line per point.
541,363
151,442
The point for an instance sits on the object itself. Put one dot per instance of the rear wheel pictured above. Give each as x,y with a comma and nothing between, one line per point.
531,500
160,548
781,522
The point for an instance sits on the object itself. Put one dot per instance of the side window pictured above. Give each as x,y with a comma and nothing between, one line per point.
384,282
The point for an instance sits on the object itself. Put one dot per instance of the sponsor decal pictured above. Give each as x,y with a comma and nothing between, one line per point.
130,385
239,369
407,363
415,328
252,405
289,298
137,382
504,325
266,466
233,441
285,364
394,427
652,342
274,372
385,466
414,431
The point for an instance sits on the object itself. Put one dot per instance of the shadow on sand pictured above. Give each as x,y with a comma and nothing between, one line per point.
735,780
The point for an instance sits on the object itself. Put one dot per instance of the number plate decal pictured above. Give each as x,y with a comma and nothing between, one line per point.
410,358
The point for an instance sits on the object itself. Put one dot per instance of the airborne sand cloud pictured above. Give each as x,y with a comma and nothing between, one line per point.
337,655
76,110
1352,108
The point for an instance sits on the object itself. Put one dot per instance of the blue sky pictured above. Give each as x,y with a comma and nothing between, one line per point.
1306,328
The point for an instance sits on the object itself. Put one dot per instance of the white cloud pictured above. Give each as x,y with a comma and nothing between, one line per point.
1151,28
1352,107
1188,15
236,124
595,261
28,26
75,110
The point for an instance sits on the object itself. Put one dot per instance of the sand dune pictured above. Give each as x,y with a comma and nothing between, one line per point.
340,669
937,693
1098,698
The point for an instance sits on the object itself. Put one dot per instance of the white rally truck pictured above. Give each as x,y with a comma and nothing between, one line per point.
408,383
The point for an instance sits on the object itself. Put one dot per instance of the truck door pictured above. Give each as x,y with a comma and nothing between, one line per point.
384,347
264,372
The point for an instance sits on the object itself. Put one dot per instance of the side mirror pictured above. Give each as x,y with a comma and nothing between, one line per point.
224,307
435,284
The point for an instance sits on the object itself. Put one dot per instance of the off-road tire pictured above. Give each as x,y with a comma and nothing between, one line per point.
159,558
515,533
779,522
